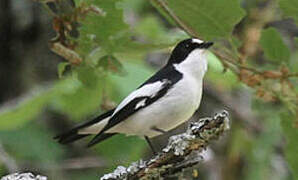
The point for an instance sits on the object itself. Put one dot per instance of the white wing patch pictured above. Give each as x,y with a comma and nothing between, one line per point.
141,104
147,90
197,41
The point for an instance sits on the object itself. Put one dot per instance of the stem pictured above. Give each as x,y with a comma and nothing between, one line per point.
162,4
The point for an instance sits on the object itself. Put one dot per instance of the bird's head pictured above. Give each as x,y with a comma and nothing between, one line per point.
184,48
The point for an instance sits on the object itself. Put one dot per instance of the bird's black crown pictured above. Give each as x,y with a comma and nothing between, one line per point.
185,47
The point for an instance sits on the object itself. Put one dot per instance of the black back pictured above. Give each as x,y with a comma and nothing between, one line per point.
168,72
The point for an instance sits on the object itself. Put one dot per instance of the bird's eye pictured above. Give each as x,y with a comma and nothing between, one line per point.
187,45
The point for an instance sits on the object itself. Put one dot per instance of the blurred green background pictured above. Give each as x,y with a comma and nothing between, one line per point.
120,44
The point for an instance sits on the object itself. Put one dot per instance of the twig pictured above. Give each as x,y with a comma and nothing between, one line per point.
23,176
177,154
66,53
162,4
293,75
229,60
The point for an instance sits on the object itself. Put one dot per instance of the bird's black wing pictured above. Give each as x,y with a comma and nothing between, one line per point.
168,72
168,76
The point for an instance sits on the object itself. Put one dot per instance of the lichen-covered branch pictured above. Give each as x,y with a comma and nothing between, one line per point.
181,152
23,176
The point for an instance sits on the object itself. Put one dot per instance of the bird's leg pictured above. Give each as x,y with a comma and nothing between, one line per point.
150,144
154,128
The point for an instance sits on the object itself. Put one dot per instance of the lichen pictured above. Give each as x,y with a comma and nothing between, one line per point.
136,166
179,143
123,173
23,176
119,173
198,133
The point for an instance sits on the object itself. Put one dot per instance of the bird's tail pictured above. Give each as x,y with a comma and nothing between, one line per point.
74,134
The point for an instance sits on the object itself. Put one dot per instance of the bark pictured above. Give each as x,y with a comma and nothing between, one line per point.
183,151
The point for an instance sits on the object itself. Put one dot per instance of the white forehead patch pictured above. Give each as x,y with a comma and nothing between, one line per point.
197,41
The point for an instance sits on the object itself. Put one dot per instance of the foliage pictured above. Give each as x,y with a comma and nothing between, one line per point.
208,19
273,46
289,8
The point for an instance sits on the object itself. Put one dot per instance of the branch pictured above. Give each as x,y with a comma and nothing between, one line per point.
162,4
181,151
66,53
23,176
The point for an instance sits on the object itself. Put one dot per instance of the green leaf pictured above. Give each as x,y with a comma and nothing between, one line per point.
87,75
291,149
61,68
81,96
289,8
106,30
216,75
273,46
210,18
111,63
109,35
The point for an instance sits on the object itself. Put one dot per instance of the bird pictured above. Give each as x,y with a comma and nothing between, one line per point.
167,99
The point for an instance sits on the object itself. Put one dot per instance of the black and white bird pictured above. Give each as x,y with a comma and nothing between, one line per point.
166,100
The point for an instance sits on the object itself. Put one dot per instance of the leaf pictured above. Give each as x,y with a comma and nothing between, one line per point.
61,68
83,96
216,75
212,19
106,30
291,135
273,46
87,75
111,63
289,8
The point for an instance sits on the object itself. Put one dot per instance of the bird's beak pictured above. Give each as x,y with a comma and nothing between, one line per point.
206,45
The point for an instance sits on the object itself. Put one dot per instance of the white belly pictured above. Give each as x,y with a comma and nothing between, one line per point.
167,112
